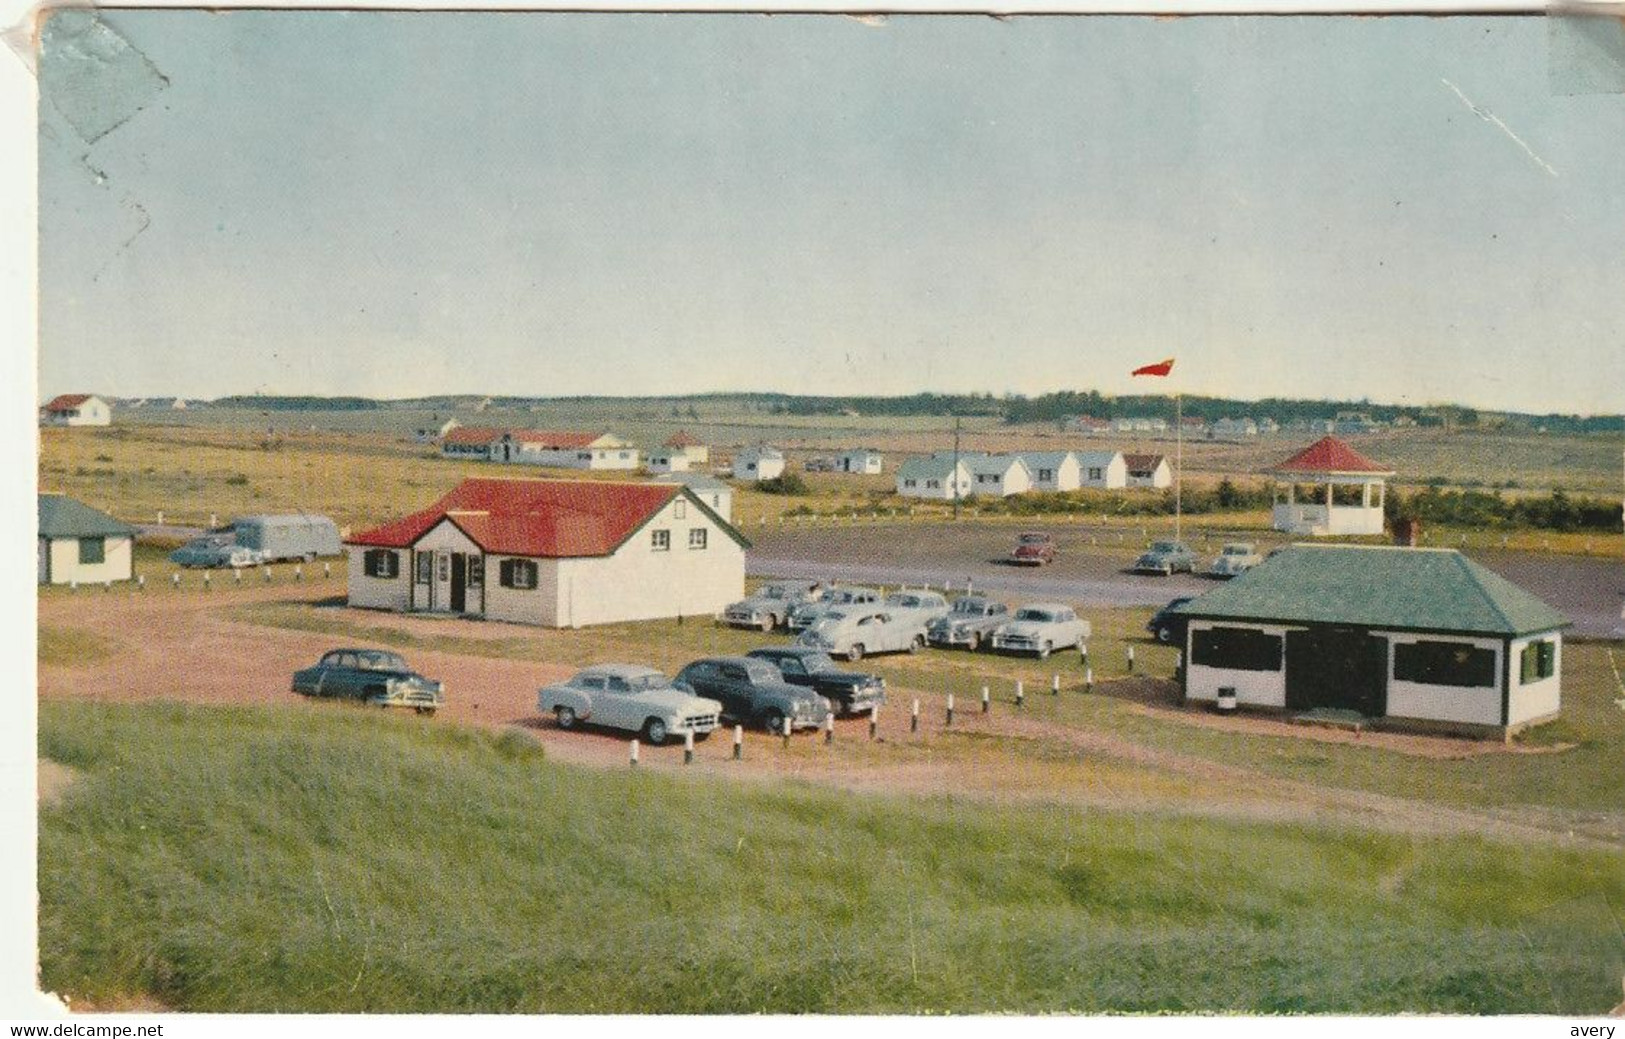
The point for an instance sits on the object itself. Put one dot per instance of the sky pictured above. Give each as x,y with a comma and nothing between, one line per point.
1411,210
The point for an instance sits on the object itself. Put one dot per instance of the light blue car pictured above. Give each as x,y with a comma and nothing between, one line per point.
216,551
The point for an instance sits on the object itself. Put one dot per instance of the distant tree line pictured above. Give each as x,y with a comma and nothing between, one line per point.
301,403
1557,511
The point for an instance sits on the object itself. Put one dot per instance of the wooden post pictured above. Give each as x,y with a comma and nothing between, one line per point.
208,584
950,709
787,733
1088,679
73,586
237,575
688,747
107,586
633,755
298,571
874,720
914,717
141,582
1131,660
1179,662
829,728
1083,653
177,580
327,571
1055,685
267,573
987,703
739,742
1021,694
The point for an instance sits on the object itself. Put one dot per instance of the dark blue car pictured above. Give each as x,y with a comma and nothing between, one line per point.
1166,626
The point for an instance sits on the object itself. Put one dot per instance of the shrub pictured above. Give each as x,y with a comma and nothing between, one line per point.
787,484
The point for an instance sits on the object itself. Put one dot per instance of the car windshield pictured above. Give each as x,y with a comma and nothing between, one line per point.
376,661
1033,615
643,683
902,600
970,606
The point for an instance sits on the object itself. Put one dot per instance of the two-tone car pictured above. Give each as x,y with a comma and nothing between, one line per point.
1165,557
214,551
1234,559
632,698
1040,629
769,607
855,632
754,692
372,676
806,614
970,622
848,692
1033,548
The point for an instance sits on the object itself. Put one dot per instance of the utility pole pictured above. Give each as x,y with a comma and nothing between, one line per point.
954,476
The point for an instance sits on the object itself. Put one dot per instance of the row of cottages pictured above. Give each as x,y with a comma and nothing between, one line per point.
1006,474
556,553
758,463
558,449
680,453
1420,638
82,545
76,409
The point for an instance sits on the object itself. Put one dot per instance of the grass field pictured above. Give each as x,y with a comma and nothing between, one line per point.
233,859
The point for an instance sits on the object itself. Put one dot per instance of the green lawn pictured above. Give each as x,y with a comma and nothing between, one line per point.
314,859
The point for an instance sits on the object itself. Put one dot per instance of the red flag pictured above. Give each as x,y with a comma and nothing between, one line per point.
1160,368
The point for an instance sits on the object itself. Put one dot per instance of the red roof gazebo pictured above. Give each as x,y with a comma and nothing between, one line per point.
1355,491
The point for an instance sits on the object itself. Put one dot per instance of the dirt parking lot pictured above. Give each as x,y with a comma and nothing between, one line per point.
1090,566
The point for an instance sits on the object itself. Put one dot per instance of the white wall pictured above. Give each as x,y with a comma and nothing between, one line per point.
1161,476
675,462
378,592
442,538
1540,697
539,605
1254,688
943,491
65,567
1064,477
748,466
1477,705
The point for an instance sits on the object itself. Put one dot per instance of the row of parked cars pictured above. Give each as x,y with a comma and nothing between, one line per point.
1166,557
854,622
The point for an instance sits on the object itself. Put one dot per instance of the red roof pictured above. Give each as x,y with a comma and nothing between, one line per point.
557,439
682,438
538,518
1331,455
1141,463
473,435
67,402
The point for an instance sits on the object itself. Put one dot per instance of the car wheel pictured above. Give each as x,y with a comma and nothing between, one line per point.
565,717
855,653
1044,650
773,721
1165,634
916,644
654,731
768,623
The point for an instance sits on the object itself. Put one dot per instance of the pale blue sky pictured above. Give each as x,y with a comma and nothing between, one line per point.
406,204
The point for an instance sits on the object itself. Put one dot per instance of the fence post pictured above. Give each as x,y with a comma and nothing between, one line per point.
237,576
829,728
739,742
987,703
633,754
914,717
1021,694
1083,653
688,747
1131,660
160,517
267,573
141,582
107,586
208,582
298,572
950,710
787,733
1055,685
874,720
73,586
1088,679
177,580
1179,662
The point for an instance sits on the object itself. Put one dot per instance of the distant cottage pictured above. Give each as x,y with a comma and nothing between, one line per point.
758,463
76,409
557,553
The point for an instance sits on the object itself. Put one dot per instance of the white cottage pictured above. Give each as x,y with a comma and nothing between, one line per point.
758,463
1147,471
668,460
690,446
564,449
470,442
82,545
1102,469
999,475
861,460
556,553
1413,637
76,409
939,476
714,492
1052,470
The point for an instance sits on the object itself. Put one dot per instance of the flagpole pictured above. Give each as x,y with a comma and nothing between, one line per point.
1179,456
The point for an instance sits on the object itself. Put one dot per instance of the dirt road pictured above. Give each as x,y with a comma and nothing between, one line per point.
1089,567
180,646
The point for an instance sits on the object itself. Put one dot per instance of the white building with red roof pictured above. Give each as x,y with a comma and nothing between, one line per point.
1345,491
556,449
1147,471
557,553
76,409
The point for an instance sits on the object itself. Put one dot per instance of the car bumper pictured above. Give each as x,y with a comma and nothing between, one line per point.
861,700
1016,644
422,699
698,724
740,620
948,638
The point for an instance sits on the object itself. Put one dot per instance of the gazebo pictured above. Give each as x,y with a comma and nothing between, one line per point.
1350,490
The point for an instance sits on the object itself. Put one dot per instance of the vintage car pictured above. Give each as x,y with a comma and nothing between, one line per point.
848,692
372,676
629,697
969,623
1033,548
1164,557
216,550
922,606
856,631
769,607
1234,559
754,692
1040,628
1167,626
804,615
819,465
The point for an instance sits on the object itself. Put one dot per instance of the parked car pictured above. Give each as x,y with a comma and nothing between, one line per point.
754,692
1166,626
806,614
629,697
819,465
969,623
770,606
923,606
373,676
1033,549
848,692
1041,629
299,536
1234,559
856,631
1164,557
212,551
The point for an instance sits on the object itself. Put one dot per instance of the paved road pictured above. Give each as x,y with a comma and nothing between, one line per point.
1590,590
